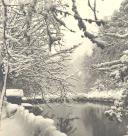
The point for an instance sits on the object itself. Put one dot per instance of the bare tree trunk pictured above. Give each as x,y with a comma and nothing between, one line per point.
3,93
5,57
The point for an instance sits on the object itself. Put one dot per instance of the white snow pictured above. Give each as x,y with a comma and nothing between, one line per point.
10,109
98,95
30,124
14,92
105,95
125,52
111,94
124,58
26,105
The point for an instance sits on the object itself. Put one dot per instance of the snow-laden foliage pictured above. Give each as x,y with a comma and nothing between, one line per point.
119,75
113,62
33,125
10,109
114,34
32,29
119,110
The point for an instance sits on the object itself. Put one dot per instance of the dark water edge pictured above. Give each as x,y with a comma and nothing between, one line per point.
84,119
74,100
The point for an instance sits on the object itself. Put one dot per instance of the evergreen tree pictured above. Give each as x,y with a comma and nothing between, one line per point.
114,33
115,60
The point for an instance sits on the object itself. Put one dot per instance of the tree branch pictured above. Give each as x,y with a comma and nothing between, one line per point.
82,27
117,35
108,64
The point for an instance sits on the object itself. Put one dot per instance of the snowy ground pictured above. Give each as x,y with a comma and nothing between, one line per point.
10,127
18,121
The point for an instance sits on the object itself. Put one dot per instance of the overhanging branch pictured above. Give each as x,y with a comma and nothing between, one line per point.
82,27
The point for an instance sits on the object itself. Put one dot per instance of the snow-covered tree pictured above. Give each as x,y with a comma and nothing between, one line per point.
27,35
114,35
115,60
29,30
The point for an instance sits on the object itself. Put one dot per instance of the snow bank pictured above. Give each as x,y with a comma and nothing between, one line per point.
94,95
34,125
111,94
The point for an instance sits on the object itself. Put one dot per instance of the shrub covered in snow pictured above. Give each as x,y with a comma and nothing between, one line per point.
10,109
33,125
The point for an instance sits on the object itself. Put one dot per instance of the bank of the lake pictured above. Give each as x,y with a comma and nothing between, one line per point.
92,96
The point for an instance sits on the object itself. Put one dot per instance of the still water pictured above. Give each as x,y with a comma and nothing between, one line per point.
84,120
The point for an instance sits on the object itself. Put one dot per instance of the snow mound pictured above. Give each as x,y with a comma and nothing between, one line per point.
31,124
36,125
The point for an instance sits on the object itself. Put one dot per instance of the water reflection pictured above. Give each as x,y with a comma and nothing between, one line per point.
96,124
89,120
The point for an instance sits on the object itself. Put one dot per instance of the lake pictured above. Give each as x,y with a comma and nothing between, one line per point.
84,119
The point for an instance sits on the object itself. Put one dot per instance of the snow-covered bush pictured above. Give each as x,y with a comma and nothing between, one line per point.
33,125
10,109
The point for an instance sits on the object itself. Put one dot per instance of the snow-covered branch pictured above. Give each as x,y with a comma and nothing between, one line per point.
108,64
117,35
82,26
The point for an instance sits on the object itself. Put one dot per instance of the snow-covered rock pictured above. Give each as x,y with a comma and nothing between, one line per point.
14,93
